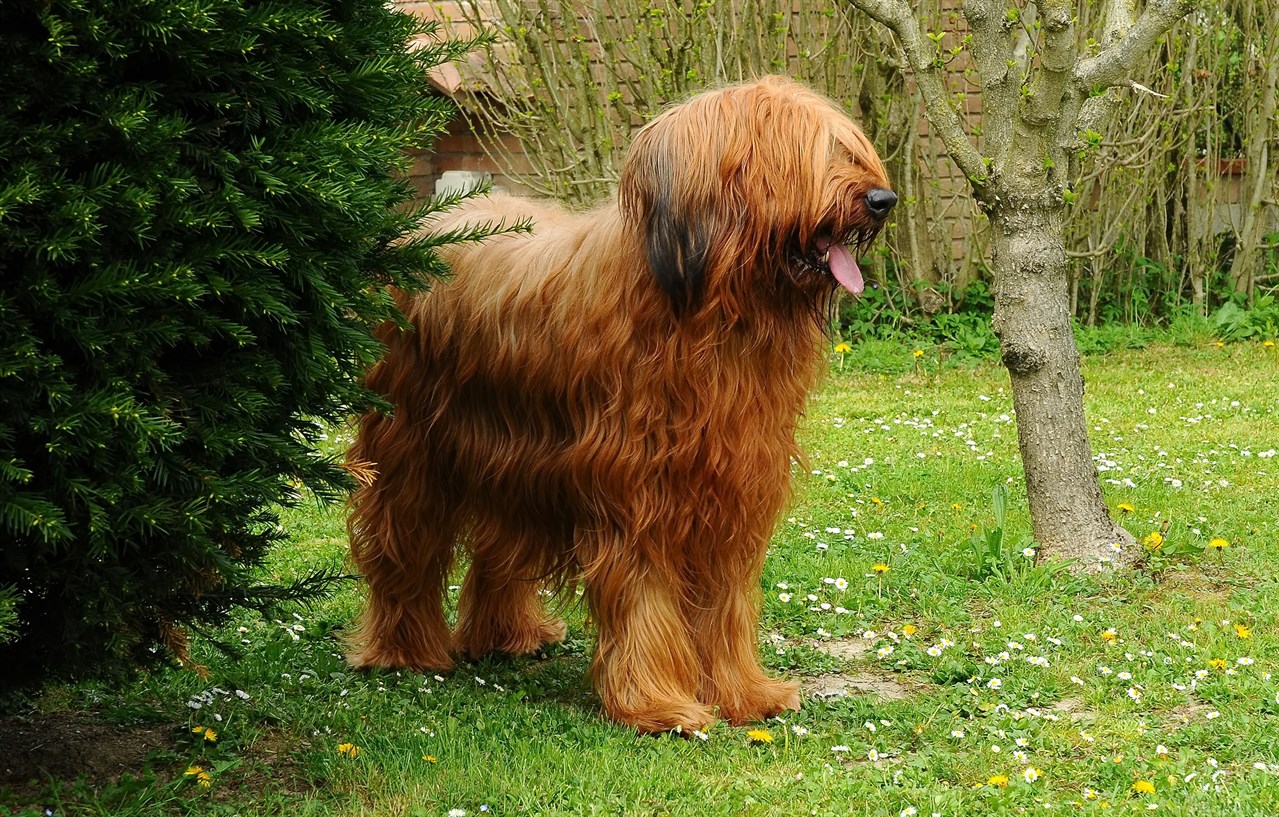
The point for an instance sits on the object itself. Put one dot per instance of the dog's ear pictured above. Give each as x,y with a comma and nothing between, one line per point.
680,227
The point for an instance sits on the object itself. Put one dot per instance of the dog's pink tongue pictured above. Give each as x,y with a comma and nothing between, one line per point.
845,269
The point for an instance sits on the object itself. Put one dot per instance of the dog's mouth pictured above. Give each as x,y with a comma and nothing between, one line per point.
837,258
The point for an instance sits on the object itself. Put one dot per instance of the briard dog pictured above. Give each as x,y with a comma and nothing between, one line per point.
611,398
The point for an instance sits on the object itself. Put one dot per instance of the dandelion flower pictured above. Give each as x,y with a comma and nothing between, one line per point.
1153,541
430,758
1109,635
1143,787
1030,775
919,353
880,568
348,749
843,348
1126,507
1217,543
759,736
1000,780
909,629
1243,631
1217,663
208,734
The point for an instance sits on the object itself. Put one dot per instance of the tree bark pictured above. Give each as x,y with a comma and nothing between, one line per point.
1037,344
1019,177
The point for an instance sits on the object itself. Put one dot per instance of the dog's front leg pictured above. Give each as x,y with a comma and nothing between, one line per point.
645,669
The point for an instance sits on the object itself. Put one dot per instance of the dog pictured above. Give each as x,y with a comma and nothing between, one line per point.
611,398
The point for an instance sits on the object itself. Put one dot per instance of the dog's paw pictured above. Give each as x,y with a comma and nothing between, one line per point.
764,700
680,717
473,643
372,657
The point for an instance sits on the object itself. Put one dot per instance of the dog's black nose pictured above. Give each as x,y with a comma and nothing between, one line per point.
879,201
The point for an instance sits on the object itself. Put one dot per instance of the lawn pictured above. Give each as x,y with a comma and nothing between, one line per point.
941,677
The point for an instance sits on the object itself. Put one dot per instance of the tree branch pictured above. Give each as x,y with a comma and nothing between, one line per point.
992,49
1126,42
1056,61
1116,60
896,16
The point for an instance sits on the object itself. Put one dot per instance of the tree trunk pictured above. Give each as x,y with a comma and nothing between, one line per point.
1032,321
1258,180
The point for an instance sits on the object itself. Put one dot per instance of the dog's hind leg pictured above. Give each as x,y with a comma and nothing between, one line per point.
645,668
501,609
403,527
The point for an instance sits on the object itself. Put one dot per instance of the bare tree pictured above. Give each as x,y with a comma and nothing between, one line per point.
1040,112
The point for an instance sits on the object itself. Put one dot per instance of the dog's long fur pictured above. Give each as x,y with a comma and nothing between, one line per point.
613,398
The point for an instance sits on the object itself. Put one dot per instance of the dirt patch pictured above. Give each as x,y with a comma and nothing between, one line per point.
841,684
849,649
1191,711
1075,709
37,746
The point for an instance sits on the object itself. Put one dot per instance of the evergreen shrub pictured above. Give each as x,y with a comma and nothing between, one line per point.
201,202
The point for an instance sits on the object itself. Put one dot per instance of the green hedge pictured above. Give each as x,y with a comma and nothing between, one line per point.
198,207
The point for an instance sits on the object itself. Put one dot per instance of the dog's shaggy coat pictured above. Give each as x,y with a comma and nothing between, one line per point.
612,398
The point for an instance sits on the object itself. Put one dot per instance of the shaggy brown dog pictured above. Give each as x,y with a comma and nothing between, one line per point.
613,398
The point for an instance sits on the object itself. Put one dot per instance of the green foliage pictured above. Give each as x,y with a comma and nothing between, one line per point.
199,205
994,556
1235,320
8,614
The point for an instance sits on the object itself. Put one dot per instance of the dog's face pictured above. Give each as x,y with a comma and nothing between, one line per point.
761,184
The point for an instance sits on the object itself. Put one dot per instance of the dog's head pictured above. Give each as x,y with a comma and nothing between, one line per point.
766,178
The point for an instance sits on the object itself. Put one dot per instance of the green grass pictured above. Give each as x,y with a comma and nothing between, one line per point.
901,471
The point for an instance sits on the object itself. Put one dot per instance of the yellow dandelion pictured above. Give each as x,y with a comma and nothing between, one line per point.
1217,663
1270,344
876,500
909,629
348,749
1218,543
1126,507
1153,541
880,568
1221,344
919,353
204,779
209,734
193,771
1243,631
955,506
1000,780
759,736
430,758
843,348
1109,635
1143,787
